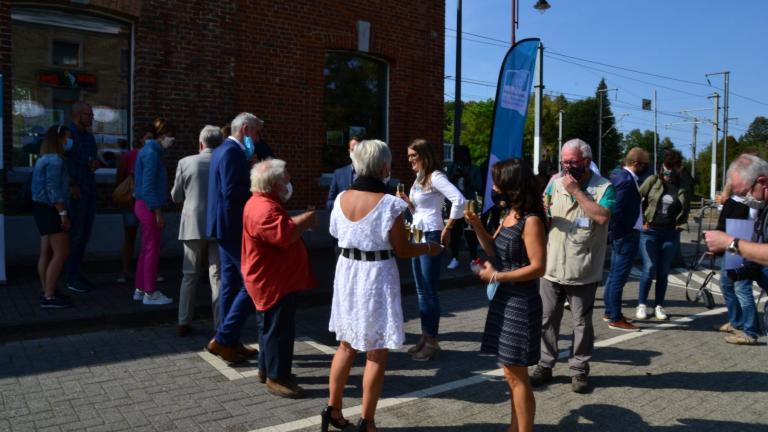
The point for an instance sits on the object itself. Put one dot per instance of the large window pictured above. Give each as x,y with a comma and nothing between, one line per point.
60,57
355,103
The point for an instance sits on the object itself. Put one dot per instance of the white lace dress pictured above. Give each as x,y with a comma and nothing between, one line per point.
366,311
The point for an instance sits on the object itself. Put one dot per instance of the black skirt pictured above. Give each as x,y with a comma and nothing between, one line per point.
47,219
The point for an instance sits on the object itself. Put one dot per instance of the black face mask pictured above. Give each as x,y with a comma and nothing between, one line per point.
576,172
643,172
500,199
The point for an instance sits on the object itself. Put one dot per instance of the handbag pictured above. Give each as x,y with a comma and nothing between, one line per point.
123,193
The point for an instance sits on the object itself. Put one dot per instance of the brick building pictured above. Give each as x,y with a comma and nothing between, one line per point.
314,71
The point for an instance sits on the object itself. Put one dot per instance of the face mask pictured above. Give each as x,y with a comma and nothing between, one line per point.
643,171
500,199
386,179
752,202
167,142
286,194
576,172
249,148
68,145
672,176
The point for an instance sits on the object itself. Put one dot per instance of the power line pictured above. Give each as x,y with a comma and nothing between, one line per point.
506,44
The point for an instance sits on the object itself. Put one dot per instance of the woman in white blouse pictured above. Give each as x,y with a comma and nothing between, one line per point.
426,203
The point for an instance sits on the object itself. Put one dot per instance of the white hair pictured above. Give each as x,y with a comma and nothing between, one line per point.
370,157
266,174
211,136
749,168
242,119
579,146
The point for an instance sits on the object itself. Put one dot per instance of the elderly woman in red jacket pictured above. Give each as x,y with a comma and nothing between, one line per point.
275,266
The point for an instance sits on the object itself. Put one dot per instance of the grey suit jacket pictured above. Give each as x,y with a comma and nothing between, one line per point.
191,188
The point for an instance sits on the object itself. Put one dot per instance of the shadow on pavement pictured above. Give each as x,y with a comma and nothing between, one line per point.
720,382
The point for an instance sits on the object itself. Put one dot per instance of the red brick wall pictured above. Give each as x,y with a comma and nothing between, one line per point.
199,62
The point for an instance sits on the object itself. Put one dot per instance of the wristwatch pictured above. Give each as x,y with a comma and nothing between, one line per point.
733,247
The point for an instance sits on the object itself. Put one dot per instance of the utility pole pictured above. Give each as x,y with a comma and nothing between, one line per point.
515,8
655,133
693,147
538,90
457,91
727,79
559,139
600,126
715,117
726,88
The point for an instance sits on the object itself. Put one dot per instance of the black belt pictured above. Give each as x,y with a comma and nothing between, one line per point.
360,255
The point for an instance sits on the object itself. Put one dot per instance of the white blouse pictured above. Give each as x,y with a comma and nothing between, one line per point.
428,203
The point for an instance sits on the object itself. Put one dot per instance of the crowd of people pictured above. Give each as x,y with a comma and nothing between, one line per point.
547,248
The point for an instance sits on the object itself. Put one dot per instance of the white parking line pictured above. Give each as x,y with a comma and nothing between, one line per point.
480,376
233,374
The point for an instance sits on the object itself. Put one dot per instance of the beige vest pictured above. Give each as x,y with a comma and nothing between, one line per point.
577,244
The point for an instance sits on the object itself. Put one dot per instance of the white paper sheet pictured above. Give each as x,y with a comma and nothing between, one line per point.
741,229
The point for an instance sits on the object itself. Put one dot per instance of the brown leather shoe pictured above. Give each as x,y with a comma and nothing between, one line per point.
286,388
263,376
246,351
228,354
183,330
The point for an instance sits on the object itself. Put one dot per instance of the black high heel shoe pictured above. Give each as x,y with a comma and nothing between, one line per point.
327,418
362,425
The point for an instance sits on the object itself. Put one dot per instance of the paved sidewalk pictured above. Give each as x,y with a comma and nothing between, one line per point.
665,378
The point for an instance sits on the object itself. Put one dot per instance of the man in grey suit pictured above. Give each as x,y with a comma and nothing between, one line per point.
191,188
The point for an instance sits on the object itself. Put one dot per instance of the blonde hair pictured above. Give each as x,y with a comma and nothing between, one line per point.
265,174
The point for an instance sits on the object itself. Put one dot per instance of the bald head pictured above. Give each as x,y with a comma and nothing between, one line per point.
82,115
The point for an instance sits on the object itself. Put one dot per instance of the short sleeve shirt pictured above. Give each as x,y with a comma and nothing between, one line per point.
608,200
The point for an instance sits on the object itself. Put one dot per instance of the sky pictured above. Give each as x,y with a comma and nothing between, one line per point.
680,39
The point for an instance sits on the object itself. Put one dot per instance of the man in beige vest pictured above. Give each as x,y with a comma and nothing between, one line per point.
579,204
191,188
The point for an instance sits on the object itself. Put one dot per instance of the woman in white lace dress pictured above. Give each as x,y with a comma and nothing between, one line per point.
366,313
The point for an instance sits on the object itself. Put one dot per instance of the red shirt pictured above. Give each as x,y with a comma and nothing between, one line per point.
272,266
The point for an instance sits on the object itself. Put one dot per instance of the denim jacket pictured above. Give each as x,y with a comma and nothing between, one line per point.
50,181
150,177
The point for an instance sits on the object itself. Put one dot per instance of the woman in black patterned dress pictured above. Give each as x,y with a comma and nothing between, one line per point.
518,251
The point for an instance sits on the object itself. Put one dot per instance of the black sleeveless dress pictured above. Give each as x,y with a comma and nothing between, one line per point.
513,326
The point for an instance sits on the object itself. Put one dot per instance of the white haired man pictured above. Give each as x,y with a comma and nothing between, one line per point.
748,176
191,188
227,194
580,205
275,266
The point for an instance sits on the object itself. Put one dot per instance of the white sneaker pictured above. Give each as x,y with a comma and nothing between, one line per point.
641,312
660,313
138,295
453,264
156,298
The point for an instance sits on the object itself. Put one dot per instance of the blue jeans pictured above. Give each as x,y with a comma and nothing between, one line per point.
235,305
742,312
622,257
81,214
658,248
426,275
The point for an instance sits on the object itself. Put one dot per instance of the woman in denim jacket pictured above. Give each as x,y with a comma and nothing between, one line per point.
50,188
151,194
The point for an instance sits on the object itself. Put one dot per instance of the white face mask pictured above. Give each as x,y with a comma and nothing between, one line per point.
386,179
287,193
167,142
753,203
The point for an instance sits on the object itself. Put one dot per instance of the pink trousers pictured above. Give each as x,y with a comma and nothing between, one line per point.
146,268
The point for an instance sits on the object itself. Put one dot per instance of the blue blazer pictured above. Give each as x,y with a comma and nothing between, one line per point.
228,191
627,207
342,180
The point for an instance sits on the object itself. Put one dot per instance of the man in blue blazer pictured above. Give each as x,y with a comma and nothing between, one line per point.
228,191
342,177
624,234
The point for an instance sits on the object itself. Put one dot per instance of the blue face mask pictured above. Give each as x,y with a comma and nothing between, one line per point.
68,145
249,148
